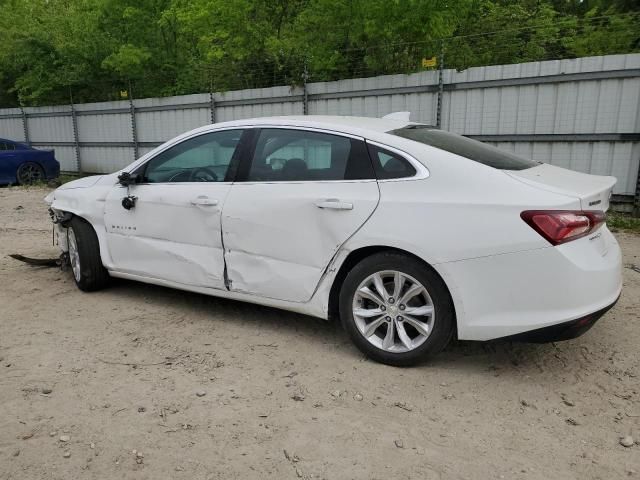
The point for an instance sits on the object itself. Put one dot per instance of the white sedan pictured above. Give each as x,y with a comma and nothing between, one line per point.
409,234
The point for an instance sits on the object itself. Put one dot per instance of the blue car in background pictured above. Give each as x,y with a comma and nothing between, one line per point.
22,164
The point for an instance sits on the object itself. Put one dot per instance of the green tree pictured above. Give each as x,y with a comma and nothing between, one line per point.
93,49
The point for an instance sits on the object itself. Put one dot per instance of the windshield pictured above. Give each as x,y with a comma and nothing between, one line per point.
465,147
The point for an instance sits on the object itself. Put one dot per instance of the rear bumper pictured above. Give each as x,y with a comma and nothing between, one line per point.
506,295
52,170
562,331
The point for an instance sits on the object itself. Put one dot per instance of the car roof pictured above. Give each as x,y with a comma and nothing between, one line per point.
22,145
354,125
366,127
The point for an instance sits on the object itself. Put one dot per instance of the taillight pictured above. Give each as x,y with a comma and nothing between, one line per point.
561,226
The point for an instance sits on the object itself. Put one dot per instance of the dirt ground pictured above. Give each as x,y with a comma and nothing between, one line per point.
204,388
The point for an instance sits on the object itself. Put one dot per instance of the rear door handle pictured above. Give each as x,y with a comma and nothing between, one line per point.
334,204
204,202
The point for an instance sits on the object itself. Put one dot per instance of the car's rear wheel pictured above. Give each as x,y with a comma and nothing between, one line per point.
84,256
29,173
396,309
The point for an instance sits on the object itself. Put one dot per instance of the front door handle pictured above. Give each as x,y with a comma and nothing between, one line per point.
334,204
203,201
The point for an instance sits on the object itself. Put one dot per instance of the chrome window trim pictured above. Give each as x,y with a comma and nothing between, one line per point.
422,171
309,129
175,183
289,182
135,166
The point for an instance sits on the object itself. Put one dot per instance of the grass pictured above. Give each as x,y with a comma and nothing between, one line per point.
67,177
623,221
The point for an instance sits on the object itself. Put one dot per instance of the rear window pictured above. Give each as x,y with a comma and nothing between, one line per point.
465,147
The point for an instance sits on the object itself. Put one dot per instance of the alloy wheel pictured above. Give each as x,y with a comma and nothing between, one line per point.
393,311
29,173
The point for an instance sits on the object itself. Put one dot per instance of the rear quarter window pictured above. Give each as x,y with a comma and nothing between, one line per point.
388,165
465,147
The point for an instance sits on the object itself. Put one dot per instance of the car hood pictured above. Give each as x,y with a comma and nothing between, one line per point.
83,182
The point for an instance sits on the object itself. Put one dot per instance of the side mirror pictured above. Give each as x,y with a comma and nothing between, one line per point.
125,179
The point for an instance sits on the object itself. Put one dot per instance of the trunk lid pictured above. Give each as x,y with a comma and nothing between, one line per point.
593,191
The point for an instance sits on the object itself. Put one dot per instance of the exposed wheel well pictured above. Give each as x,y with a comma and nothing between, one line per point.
353,259
65,218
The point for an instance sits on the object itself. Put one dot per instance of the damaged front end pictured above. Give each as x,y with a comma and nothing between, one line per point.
60,221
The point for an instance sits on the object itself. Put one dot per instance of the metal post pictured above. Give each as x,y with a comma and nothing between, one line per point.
440,86
76,140
134,128
25,126
305,96
636,199
212,105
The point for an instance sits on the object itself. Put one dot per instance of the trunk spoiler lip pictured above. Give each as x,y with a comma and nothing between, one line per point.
599,184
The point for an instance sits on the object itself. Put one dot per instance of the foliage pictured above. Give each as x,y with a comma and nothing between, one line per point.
623,221
92,50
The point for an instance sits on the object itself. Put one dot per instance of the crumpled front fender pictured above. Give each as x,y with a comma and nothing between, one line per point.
85,199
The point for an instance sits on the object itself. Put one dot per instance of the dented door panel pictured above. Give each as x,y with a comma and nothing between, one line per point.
173,232
279,237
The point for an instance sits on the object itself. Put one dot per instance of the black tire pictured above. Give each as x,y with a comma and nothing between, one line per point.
443,326
29,173
91,274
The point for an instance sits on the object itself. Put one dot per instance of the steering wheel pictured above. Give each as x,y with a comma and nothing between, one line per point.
203,174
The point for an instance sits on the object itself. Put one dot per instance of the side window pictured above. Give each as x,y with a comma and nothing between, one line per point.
3,146
389,165
302,155
205,158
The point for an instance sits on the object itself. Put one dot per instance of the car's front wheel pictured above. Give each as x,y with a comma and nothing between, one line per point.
84,256
396,310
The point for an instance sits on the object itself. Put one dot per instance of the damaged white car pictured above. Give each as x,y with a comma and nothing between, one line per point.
409,234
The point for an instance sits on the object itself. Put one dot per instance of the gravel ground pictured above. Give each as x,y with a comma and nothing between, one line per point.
148,382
